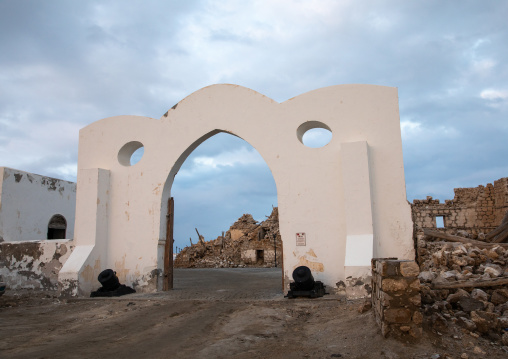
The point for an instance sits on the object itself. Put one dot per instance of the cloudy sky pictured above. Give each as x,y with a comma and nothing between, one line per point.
66,64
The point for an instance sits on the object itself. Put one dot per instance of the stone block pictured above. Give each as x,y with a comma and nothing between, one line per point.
468,304
397,315
484,321
499,296
416,300
416,332
409,269
415,285
466,323
393,285
387,267
417,318
385,299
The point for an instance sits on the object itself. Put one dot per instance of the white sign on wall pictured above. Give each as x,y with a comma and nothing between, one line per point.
301,239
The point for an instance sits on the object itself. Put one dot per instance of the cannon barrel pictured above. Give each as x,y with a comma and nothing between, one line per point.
108,279
304,284
303,278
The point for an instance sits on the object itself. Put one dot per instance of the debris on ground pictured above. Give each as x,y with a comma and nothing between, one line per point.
247,243
464,283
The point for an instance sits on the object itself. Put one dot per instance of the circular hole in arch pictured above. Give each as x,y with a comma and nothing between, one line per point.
131,153
136,155
314,134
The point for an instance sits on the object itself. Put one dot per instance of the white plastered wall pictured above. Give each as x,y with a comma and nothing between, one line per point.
347,197
28,201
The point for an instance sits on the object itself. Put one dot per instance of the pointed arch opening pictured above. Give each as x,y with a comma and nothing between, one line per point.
218,179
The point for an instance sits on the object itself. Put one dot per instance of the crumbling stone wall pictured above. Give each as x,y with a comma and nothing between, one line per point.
396,297
464,283
472,210
33,264
246,243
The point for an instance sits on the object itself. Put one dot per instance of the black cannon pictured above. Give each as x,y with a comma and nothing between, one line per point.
109,280
111,286
304,284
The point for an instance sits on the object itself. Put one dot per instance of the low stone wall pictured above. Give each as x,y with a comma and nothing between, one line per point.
396,297
33,264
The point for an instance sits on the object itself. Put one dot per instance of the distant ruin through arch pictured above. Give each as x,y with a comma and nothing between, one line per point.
222,179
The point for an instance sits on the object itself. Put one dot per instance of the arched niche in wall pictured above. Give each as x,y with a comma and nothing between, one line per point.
57,227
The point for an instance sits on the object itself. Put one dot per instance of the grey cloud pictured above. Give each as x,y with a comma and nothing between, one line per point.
78,62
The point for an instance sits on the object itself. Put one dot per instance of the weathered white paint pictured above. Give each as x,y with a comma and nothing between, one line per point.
28,201
316,190
92,219
359,251
358,203
33,264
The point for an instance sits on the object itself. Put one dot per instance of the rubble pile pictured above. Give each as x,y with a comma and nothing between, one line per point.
247,243
465,284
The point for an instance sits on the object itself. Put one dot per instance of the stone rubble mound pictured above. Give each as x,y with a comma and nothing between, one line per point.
228,251
464,284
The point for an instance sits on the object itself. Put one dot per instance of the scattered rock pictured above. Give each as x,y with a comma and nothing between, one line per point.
455,297
479,294
427,276
504,339
466,323
468,304
499,296
365,306
478,350
484,321
476,308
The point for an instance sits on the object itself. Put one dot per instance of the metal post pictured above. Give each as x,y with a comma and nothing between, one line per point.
167,280
275,248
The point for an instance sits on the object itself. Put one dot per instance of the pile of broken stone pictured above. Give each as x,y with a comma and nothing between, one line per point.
225,252
465,285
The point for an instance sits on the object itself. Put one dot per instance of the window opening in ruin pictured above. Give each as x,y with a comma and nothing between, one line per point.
314,134
440,222
57,227
131,153
261,234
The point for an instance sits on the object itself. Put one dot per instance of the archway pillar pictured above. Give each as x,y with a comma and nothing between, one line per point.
79,274
358,213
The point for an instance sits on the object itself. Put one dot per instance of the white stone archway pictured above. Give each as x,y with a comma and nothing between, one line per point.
348,197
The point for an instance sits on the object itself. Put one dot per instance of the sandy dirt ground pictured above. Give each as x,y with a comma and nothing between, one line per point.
213,313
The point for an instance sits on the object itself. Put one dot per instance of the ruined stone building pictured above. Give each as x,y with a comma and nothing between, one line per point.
246,243
462,254
473,210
